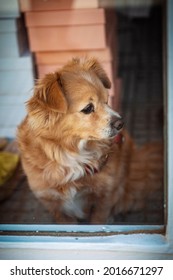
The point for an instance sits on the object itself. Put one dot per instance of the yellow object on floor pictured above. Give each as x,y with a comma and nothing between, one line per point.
8,164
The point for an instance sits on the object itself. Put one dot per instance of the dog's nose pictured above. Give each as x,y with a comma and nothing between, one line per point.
117,122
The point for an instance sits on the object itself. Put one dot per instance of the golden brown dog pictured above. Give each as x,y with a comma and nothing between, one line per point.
72,154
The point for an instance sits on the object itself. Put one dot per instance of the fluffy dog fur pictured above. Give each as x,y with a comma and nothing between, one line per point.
69,150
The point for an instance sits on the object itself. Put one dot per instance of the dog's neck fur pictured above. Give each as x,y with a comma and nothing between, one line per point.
73,162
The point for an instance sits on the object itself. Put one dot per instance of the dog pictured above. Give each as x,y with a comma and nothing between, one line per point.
79,161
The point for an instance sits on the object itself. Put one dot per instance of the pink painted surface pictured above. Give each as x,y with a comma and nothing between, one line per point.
65,18
67,38
51,5
104,55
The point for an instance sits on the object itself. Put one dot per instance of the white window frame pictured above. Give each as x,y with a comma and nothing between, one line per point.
101,242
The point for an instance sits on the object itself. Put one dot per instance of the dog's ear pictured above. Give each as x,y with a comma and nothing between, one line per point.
95,66
49,91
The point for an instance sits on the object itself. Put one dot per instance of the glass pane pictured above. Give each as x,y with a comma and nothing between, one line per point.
128,41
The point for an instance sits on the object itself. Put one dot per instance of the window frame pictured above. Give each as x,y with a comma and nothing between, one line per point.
103,242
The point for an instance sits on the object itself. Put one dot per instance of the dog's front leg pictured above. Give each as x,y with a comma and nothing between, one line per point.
101,210
55,206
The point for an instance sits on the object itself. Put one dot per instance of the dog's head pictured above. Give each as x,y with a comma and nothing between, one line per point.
73,101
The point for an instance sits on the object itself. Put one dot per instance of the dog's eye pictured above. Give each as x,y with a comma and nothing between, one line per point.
88,109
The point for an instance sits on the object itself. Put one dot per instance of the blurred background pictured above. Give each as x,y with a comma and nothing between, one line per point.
39,36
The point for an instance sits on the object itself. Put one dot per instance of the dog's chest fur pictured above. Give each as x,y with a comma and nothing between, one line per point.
74,203
82,165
